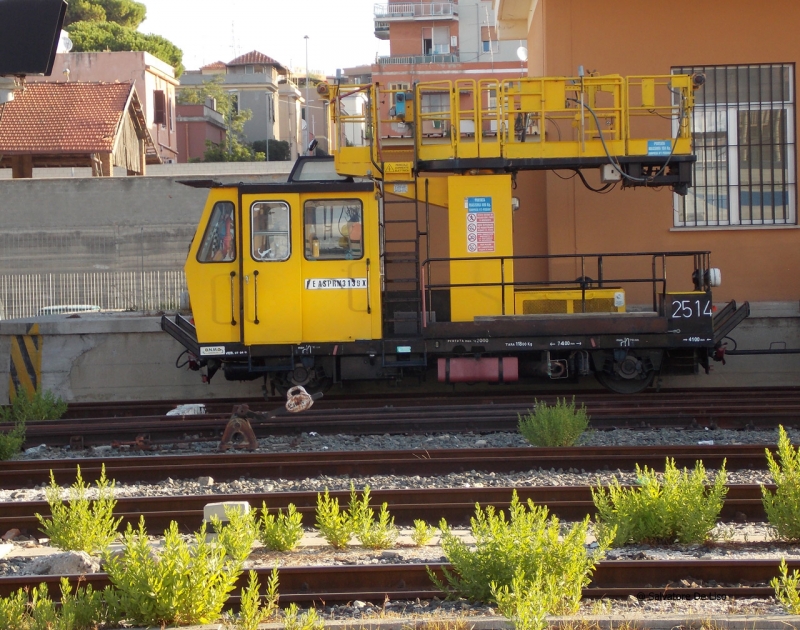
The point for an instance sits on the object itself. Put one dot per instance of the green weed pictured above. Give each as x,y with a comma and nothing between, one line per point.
182,583
82,524
528,543
554,425
280,532
334,525
783,507
681,508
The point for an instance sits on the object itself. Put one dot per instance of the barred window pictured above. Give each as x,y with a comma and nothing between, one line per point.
743,127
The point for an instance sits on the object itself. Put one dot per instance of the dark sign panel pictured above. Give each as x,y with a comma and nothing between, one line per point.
29,34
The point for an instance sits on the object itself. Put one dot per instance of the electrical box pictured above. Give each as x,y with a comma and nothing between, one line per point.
609,174
403,105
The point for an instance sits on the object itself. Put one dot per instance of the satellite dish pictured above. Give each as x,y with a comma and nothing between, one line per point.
64,42
522,53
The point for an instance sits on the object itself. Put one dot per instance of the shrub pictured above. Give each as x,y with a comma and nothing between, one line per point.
82,524
423,533
786,589
280,532
681,508
13,611
12,441
31,407
293,620
83,609
183,584
335,526
372,534
783,507
252,612
529,543
238,534
554,425
526,602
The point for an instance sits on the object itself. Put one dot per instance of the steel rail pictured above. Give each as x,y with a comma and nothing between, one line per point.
612,578
597,397
231,466
378,420
456,505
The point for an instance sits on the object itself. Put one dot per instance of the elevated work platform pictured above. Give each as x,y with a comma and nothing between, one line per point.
636,128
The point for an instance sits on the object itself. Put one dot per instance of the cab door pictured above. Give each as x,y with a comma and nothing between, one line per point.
212,271
340,267
271,286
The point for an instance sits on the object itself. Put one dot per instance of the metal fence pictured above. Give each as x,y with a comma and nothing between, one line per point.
24,295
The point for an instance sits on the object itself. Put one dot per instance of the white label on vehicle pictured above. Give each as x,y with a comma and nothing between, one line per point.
208,351
401,188
336,283
619,299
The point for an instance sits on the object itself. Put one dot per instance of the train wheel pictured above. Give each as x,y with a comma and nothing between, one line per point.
627,373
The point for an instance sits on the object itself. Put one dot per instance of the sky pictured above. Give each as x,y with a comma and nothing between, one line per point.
341,34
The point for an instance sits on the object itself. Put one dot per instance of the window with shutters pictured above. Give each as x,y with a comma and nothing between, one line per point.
159,108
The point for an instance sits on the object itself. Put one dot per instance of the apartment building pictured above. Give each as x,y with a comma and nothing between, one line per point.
265,87
442,41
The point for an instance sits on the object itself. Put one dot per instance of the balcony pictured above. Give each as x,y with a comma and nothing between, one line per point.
417,59
381,29
400,11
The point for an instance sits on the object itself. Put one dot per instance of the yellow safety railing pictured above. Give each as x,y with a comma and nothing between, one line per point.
534,118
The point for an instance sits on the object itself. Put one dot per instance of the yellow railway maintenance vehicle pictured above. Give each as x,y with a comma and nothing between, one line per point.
395,256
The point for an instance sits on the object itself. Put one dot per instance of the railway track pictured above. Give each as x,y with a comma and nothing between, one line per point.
613,579
299,465
724,409
456,505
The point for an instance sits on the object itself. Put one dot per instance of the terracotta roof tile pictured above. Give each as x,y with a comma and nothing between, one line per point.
217,65
254,57
63,118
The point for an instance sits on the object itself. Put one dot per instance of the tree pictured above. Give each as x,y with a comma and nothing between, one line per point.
98,25
278,149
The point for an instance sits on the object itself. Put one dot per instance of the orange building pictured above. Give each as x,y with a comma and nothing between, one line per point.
743,205
440,41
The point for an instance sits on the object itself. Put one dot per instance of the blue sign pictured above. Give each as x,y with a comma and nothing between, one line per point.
478,204
659,147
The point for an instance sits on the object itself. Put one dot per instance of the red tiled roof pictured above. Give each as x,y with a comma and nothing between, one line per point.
217,65
255,57
63,118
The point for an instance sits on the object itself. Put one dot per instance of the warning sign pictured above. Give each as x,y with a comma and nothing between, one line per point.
480,232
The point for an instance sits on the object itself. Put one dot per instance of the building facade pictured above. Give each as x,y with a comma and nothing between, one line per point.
262,85
153,79
743,205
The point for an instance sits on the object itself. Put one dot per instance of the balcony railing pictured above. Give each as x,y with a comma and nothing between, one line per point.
381,30
451,58
416,10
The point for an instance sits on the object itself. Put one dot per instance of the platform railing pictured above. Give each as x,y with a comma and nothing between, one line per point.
584,264
25,295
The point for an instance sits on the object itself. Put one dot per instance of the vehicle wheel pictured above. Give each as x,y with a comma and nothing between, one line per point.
627,373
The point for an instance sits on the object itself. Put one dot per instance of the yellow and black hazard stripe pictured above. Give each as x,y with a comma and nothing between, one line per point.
26,362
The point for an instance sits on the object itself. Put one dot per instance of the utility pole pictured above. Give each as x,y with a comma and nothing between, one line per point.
308,108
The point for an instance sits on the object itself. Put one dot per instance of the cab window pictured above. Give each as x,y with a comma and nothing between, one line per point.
219,241
333,229
271,242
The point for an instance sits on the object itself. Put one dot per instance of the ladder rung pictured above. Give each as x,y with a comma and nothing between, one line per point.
391,221
405,280
399,240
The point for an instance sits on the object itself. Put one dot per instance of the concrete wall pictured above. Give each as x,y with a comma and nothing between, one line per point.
108,224
100,357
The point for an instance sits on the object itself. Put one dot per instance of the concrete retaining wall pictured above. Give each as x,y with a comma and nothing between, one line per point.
127,357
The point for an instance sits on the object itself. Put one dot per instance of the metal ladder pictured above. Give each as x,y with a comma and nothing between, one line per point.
402,312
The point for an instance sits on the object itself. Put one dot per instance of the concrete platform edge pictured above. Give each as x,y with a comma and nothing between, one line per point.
627,622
